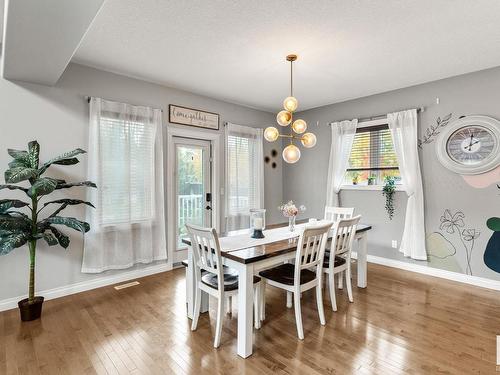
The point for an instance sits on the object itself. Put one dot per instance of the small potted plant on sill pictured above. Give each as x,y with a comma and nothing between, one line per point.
371,180
18,228
355,178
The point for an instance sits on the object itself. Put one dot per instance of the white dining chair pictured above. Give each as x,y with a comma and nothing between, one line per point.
334,214
339,259
214,278
337,213
297,278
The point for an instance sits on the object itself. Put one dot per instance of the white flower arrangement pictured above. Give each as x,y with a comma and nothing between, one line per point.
290,210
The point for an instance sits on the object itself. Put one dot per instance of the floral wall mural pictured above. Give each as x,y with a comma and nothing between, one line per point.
453,233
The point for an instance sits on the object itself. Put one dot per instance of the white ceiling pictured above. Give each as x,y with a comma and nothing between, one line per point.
235,50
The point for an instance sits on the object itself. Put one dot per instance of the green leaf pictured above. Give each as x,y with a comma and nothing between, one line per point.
50,239
19,174
71,184
33,154
15,223
10,242
65,159
61,237
42,186
70,222
18,154
494,224
6,204
13,187
67,202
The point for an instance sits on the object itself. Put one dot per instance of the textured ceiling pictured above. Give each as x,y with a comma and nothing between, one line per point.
235,50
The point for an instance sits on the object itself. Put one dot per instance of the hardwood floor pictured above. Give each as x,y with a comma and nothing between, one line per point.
402,323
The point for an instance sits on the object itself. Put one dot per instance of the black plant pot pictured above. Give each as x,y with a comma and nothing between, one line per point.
30,311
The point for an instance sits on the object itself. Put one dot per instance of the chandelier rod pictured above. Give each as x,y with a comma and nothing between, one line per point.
291,77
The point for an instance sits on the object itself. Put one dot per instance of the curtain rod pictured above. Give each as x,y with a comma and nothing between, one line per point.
378,117
87,98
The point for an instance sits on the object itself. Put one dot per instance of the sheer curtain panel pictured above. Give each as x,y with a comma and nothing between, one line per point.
244,174
126,162
343,133
403,126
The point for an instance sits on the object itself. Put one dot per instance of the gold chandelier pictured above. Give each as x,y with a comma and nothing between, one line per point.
291,153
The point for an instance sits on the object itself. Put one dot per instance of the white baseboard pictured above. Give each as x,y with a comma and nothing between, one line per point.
431,271
83,286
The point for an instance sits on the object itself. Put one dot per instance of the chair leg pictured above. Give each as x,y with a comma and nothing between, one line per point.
289,299
229,303
196,309
220,317
348,283
256,306
263,300
331,288
319,301
298,316
341,280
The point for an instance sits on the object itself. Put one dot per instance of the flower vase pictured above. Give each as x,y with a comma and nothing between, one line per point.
291,223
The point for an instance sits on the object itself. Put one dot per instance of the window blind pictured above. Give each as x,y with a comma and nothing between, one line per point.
127,170
242,181
373,149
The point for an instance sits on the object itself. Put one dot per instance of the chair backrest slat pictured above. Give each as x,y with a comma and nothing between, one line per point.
311,248
206,250
338,213
343,235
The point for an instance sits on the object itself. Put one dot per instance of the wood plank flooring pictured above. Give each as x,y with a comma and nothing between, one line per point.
403,323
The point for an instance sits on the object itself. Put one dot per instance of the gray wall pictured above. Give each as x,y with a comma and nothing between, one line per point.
475,93
58,118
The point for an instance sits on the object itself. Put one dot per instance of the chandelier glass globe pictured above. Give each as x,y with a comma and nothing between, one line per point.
291,154
271,134
308,140
299,126
290,104
284,118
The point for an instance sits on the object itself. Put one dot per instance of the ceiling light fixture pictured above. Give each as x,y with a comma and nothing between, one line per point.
291,153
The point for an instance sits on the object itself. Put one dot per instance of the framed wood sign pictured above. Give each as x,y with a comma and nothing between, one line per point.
193,117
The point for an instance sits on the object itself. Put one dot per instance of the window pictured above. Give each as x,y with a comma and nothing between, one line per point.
372,157
244,174
126,168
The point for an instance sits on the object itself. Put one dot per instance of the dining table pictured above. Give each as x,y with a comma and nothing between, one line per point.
249,255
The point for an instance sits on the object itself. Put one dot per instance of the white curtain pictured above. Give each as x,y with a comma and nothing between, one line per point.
126,162
343,133
403,126
244,174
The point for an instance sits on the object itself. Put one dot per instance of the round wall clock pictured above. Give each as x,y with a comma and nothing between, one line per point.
470,145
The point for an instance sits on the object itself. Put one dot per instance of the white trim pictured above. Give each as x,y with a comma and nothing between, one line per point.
369,187
215,139
83,286
436,272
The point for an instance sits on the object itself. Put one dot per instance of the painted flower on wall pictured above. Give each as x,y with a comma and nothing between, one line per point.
450,222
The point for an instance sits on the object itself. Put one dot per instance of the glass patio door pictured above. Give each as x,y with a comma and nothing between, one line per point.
192,183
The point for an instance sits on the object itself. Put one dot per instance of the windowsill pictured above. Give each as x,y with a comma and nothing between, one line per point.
369,187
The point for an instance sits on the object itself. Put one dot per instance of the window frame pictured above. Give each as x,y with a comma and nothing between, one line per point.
371,125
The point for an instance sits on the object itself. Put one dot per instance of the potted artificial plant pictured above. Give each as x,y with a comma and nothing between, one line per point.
388,191
355,178
18,228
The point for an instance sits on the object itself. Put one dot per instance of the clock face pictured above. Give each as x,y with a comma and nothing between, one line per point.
470,145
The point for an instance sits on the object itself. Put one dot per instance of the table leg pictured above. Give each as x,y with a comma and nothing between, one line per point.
190,289
245,310
362,262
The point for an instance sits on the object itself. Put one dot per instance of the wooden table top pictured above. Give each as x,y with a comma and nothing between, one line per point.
256,253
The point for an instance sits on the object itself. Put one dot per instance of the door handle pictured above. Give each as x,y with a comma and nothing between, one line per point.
208,208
